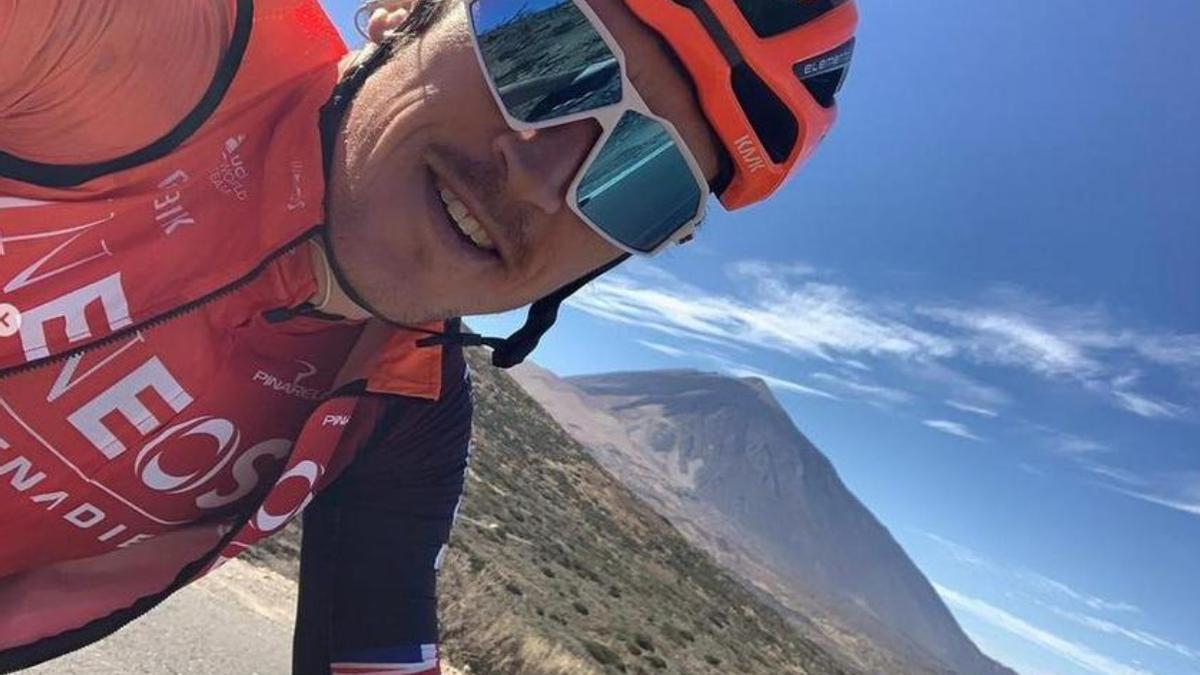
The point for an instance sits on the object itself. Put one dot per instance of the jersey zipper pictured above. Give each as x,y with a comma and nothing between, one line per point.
170,315
35,653
187,574
134,611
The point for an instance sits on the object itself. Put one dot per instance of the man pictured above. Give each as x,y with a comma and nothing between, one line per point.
229,255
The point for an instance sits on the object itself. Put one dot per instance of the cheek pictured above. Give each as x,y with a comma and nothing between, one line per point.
575,250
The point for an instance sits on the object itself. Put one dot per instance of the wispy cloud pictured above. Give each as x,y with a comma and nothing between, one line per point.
962,387
1139,636
1044,582
1081,655
736,369
1178,490
1192,507
863,389
1072,445
801,318
967,407
1116,474
794,309
674,352
779,382
1169,350
1007,338
768,269
952,428
1044,585
960,553
1075,344
1146,406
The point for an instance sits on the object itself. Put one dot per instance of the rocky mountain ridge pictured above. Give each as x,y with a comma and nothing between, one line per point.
723,461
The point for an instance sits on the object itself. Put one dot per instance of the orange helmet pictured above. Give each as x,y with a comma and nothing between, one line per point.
766,72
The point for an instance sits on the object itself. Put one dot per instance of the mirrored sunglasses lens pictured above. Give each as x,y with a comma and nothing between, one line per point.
639,189
545,58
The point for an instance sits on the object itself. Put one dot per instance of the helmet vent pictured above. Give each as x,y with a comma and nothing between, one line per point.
772,17
773,122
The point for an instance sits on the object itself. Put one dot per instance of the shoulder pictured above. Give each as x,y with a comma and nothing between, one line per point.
435,423
83,82
414,441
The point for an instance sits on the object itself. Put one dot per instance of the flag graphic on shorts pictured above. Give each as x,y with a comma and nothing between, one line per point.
398,660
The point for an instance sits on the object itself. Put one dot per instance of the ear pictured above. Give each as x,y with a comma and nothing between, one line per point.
386,16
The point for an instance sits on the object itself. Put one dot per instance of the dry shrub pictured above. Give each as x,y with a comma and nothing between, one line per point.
510,648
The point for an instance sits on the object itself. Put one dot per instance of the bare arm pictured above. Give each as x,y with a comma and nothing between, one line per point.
83,81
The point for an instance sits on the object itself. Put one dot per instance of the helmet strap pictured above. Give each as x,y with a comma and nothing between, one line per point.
508,352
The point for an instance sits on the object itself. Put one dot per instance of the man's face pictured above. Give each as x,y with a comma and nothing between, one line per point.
426,122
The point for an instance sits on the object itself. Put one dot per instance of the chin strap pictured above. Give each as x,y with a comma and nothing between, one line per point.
508,352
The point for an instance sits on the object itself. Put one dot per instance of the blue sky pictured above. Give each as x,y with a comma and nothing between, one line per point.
979,300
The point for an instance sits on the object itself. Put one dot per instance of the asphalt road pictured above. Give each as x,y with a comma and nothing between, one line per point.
236,621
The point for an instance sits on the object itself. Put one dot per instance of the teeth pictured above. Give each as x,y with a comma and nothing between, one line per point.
474,230
463,220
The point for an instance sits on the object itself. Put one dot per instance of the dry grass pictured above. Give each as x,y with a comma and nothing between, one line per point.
555,568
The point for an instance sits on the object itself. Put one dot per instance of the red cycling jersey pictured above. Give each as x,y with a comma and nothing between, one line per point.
160,175
181,421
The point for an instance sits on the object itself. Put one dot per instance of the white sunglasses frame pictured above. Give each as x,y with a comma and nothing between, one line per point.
607,117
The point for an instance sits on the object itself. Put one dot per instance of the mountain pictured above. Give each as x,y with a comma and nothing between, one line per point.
556,568
723,462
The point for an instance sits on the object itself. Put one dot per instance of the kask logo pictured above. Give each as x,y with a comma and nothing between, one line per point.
750,154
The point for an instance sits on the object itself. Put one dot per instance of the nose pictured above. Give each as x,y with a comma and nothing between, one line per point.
540,164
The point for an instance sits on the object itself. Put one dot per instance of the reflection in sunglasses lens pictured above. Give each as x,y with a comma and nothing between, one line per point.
545,58
639,189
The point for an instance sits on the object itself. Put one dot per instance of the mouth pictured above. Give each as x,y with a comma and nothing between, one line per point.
461,217
461,220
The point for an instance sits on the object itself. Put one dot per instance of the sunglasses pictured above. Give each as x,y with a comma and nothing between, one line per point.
552,62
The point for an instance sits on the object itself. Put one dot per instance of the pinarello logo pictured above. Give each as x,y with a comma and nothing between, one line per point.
291,387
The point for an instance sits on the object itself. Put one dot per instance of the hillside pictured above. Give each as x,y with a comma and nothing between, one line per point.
556,568
721,459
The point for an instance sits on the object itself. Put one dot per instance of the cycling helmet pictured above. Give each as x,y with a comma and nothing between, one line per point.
766,73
